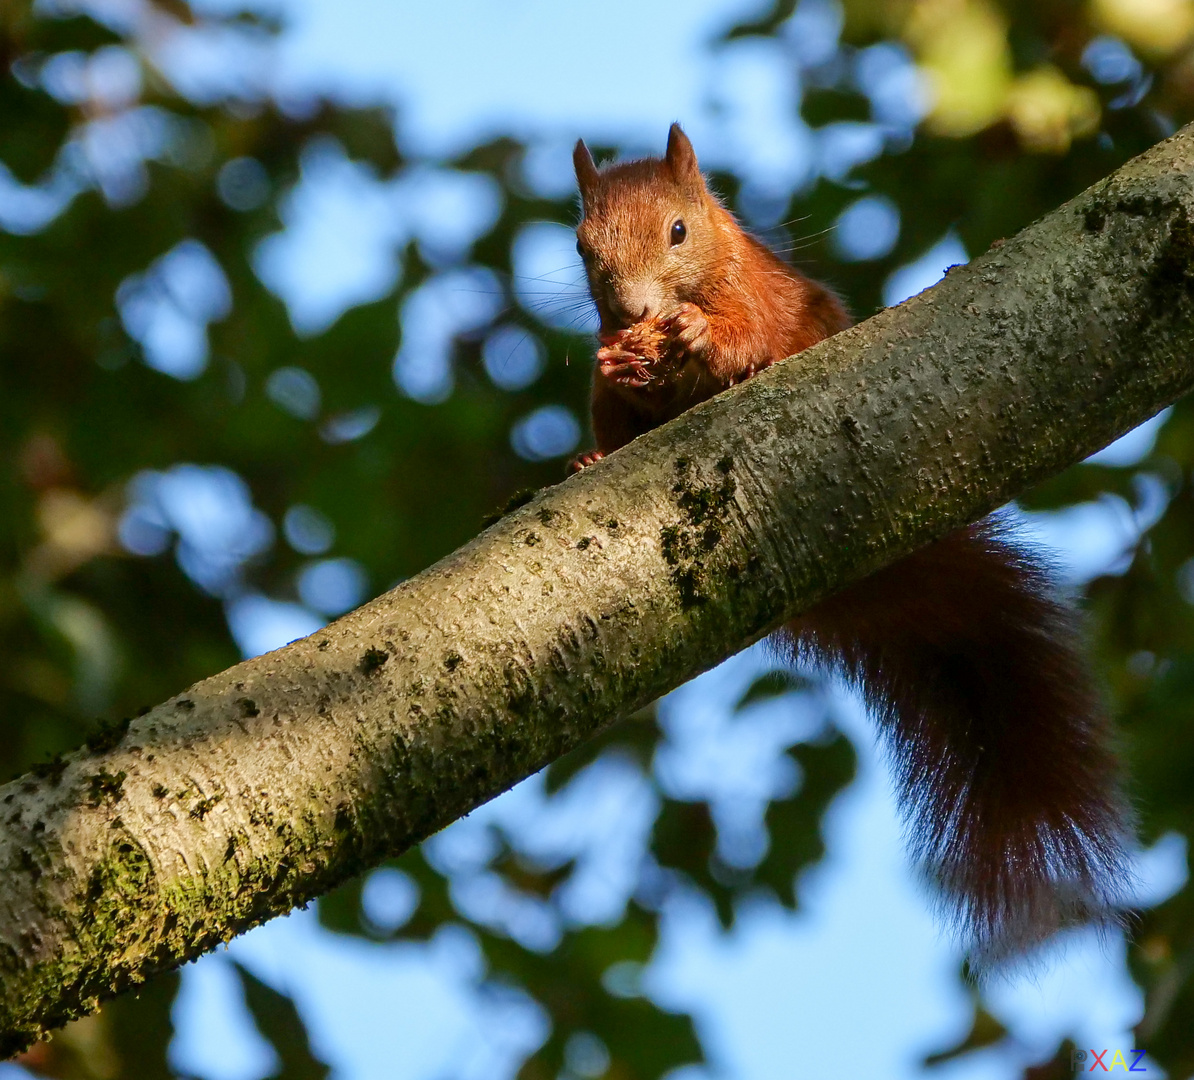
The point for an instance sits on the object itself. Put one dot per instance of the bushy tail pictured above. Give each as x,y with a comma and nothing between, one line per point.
1002,753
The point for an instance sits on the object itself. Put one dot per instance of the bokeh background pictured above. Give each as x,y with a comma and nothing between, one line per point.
289,305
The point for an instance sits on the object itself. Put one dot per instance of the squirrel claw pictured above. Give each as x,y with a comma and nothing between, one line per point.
583,461
609,355
624,368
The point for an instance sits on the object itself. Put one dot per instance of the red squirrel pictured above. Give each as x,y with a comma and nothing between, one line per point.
964,653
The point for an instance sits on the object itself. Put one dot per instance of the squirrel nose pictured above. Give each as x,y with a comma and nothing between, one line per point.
621,311
633,302
630,315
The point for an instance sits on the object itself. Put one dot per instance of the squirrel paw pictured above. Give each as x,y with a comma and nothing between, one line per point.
688,327
582,461
621,366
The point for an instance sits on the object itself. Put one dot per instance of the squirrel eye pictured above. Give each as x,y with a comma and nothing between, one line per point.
580,250
678,232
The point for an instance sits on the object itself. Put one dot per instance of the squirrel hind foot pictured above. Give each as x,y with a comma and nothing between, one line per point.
583,461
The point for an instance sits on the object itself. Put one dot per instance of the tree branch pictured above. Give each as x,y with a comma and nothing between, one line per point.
267,784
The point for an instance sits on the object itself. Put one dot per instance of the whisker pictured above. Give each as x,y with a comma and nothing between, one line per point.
549,304
791,221
801,242
548,277
552,292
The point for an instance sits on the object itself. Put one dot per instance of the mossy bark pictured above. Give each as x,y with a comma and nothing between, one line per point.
265,785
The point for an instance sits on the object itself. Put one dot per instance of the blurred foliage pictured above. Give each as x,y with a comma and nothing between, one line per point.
278,1020
175,451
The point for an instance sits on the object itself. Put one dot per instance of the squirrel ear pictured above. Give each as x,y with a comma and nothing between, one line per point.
681,159
586,167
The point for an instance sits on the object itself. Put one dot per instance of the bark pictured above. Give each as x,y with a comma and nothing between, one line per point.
267,784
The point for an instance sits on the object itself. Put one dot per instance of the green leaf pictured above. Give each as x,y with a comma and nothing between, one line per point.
1081,483
794,824
770,685
984,1031
685,839
645,1042
829,106
32,132
279,1022
765,25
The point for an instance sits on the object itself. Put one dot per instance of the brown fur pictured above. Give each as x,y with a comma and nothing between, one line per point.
963,651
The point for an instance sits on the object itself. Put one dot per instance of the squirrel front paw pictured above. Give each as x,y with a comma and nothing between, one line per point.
688,327
622,366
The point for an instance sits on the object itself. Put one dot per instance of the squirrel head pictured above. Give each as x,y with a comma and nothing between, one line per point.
652,235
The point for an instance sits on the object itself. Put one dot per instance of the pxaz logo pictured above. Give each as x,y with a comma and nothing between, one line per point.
1083,1061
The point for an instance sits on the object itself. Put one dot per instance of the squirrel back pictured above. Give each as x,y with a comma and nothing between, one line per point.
964,652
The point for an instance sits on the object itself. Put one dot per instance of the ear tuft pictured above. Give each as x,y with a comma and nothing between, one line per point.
681,159
586,168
